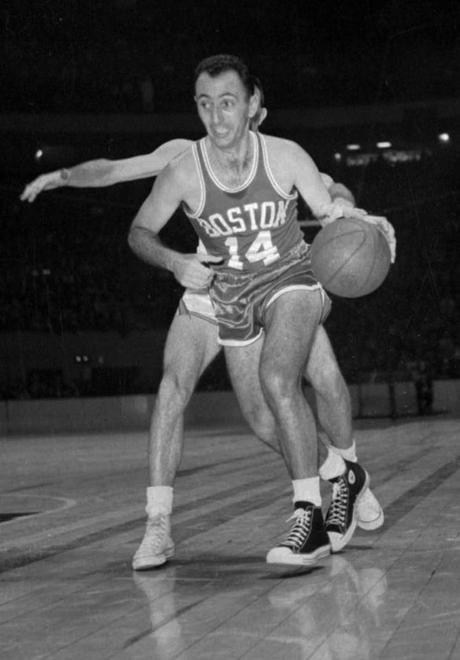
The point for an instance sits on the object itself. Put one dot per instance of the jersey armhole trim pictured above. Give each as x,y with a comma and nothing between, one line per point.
270,174
196,214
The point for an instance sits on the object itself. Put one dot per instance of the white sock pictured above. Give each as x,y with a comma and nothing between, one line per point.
348,454
307,490
159,500
333,466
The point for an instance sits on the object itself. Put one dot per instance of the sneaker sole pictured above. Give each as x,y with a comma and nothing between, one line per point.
370,525
338,544
292,559
151,562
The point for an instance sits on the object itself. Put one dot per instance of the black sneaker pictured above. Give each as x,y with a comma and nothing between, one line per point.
307,542
342,516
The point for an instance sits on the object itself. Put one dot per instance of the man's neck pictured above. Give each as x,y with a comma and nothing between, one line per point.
233,165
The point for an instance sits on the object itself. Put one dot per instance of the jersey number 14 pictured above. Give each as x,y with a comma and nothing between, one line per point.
261,249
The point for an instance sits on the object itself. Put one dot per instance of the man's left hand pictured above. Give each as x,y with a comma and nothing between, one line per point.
387,229
342,208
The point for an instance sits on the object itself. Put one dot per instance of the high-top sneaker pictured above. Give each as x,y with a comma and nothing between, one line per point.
157,545
370,512
342,515
307,541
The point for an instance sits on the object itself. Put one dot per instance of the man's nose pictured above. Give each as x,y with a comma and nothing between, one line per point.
216,115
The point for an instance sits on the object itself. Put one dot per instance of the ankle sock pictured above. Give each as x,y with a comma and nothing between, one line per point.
348,454
333,466
307,490
159,500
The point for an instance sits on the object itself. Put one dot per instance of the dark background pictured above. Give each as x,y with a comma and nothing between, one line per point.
89,55
113,78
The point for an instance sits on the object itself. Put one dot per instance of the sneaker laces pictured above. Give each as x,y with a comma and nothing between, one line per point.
301,528
157,531
337,514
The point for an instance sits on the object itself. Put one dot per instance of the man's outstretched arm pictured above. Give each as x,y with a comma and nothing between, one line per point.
102,172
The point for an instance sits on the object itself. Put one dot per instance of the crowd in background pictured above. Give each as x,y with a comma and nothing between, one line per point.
138,55
67,268
415,317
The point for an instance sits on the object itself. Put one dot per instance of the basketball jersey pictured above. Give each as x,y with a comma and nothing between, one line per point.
250,226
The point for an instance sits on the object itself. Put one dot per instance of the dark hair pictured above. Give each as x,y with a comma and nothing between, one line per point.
217,64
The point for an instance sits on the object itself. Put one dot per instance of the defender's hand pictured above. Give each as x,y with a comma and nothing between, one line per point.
42,182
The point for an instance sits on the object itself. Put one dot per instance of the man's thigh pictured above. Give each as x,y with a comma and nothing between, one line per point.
243,369
291,322
191,346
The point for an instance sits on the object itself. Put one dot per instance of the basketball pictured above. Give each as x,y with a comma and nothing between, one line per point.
350,257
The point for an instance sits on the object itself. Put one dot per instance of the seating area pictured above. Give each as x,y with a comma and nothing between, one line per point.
414,317
67,268
57,59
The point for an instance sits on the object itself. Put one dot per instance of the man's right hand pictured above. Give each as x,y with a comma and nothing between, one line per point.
192,271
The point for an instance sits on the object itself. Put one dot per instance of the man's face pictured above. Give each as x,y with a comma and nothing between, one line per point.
224,107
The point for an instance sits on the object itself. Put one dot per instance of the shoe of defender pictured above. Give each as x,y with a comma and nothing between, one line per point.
307,541
157,545
370,513
342,515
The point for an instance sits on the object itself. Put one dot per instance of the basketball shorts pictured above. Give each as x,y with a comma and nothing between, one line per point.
197,303
240,300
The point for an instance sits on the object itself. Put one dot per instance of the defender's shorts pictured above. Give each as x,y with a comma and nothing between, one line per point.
240,300
197,303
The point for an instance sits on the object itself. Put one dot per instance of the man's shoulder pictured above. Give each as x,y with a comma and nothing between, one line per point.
282,146
182,167
283,152
170,149
277,142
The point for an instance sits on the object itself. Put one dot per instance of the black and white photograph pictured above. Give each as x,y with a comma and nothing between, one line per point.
230,330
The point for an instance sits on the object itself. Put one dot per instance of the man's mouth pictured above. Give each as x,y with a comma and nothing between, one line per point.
220,134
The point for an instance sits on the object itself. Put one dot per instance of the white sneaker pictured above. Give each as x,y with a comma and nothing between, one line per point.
157,545
370,513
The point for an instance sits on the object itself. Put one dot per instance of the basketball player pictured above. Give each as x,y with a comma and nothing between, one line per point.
192,339
231,160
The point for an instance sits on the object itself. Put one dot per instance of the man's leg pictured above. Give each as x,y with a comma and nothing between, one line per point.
282,358
333,408
291,323
191,346
334,412
331,392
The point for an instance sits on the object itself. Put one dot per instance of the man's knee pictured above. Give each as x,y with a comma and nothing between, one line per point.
260,419
328,381
278,383
175,388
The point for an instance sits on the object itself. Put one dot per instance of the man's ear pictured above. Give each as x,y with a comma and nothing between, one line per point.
263,115
254,102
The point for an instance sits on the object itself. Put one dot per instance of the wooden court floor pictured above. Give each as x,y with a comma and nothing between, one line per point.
71,516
